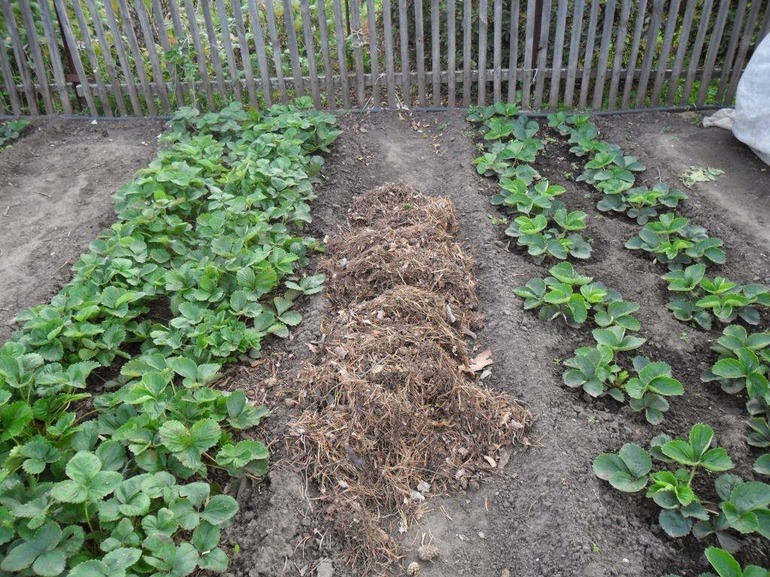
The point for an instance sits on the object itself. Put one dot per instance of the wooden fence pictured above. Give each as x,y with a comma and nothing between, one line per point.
149,57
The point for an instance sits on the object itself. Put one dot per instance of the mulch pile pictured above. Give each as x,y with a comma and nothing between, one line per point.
395,406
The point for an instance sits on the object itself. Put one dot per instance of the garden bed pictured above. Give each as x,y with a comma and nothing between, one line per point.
546,513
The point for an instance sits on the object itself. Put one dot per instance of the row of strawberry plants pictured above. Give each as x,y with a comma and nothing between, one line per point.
541,224
676,242
687,250
110,476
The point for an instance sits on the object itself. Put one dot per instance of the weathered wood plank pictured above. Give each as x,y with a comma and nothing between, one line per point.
665,51
341,53
149,46
542,52
275,42
107,60
588,58
310,51
649,55
497,51
711,54
259,48
125,65
133,45
467,39
732,46
71,42
8,83
403,29
373,51
291,39
529,48
684,43
617,61
574,53
323,31
227,46
216,61
558,52
200,55
357,56
752,26
248,70
88,44
37,58
641,13
435,35
451,51
481,86
420,51
389,58
700,37
604,54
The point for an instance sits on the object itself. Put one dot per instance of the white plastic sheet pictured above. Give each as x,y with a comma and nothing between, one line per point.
750,121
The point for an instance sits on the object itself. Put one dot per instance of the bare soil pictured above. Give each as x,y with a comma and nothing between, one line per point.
56,194
545,513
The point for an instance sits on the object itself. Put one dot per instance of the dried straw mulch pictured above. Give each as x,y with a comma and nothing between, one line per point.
394,401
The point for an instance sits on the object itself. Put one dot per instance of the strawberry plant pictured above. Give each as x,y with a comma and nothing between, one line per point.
12,130
673,240
566,294
202,264
629,471
641,203
726,565
559,241
515,194
648,390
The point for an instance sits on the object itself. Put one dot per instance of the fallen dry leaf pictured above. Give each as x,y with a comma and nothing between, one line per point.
483,359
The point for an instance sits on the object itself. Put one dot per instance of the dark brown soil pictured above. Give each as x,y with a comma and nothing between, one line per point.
56,194
546,514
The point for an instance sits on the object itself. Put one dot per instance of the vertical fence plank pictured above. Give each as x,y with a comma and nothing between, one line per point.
588,58
27,82
109,62
451,52
482,57
665,51
558,53
149,43
681,51
310,52
56,59
180,37
323,31
435,36
200,56
291,39
649,54
373,52
617,61
227,46
133,45
574,52
604,54
711,54
342,52
740,60
697,48
248,71
88,43
420,51
529,45
69,39
389,60
542,53
125,66
403,30
10,83
765,25
497,58
467,38
37,57
160,21
635,43
513,54
216,61
275,42
732,46
357,56
259,48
